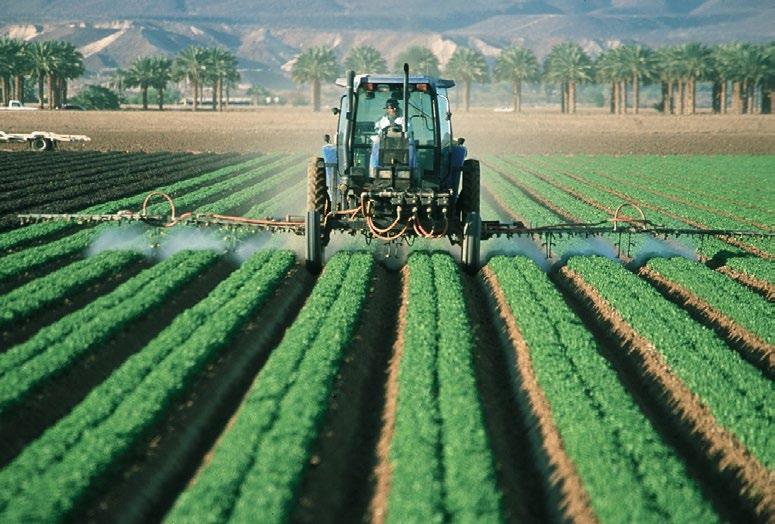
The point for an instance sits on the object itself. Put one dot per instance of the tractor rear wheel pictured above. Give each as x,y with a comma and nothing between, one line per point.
317,192
468,200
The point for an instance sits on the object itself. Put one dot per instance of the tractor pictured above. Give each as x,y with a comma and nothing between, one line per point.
406,180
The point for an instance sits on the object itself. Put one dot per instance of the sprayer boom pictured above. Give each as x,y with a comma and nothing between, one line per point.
408,223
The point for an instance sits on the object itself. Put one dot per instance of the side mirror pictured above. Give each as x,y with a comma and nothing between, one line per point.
461,141
327,138
335,110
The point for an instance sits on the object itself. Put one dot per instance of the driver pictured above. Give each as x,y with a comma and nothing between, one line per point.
391,117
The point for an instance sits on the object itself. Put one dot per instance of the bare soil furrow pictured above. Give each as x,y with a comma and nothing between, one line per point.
383,470
750,346
765,289
519,477
565,490
338,483
728,457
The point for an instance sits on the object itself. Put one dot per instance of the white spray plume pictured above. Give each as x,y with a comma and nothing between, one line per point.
125,237
661,248
181,238
248,246
587,247
519,246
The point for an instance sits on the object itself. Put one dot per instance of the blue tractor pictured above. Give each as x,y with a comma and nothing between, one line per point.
394,179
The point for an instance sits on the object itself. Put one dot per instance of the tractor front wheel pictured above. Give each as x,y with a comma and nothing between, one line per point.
317,192
41,144
468,200
472,239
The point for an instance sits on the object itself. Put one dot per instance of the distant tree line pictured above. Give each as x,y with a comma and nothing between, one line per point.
50,64
200,67
742,74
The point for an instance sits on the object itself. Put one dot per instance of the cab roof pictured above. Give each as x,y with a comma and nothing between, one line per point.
436,83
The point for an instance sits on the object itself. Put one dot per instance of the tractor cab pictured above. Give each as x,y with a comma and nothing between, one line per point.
415,153
394,171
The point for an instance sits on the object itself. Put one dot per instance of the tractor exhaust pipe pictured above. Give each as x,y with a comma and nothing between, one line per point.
349,117
406,97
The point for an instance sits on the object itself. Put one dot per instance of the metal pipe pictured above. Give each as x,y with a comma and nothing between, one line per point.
406,98
350,121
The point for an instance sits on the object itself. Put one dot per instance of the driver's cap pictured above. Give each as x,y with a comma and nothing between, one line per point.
391,102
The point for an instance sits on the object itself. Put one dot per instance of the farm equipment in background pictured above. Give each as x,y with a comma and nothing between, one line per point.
409,180
41,141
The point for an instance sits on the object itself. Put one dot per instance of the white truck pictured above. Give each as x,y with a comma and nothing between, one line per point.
40,140
16,105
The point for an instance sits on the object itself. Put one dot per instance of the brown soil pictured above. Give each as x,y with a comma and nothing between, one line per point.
339,482
753,348
299,129
520,480
750,478
383,470
762,287
573,503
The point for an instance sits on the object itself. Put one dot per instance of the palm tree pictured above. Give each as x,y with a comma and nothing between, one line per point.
142,74
315,65
725,68
162,74
768,85
69,65
220,65
43,58
421,60
516,65
640,63
468,65
568,64
668,69
754,67
190,65
118,82
365,59
11,52
695,65
611,68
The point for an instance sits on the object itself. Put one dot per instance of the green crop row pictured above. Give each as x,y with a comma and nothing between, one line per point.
709,247
640,194
56,347
35,231
250,193
260,460
750,310
736,393
443,468
49,478
55,287
16,263
717,180
603,431
193,200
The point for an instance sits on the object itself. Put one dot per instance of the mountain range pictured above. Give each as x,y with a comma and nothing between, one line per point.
267,35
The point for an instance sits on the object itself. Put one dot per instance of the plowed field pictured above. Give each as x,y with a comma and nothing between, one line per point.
191,376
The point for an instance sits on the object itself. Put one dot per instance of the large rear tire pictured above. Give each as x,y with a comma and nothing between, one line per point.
317,192
472,239
468,200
